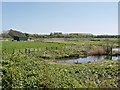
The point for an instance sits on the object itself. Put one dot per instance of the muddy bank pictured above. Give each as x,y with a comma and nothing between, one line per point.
75,56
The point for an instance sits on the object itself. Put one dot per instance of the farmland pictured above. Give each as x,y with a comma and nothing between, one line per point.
24,64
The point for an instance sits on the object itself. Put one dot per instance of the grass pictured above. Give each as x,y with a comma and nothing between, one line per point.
86,41
9,46
47,49
30,71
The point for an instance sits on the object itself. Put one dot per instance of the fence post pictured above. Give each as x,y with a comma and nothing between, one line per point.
29,50
19,50
34,51
13,51
25,50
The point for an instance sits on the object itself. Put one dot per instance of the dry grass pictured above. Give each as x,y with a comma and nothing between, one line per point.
97,50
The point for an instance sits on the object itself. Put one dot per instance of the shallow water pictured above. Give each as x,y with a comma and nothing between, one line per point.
116,49
91,59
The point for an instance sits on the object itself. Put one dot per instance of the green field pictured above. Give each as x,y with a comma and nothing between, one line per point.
28,70
9,46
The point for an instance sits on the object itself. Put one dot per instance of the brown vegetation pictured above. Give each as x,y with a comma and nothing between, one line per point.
97,51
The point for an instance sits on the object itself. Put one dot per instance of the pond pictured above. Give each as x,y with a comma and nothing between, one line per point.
91,59
116,49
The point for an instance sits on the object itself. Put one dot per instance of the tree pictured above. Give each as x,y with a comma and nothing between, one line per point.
26,34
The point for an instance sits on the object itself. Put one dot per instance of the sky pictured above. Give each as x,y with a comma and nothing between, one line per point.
60,0
66,17
0,17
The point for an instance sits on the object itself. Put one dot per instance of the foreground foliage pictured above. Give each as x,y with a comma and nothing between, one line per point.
20,71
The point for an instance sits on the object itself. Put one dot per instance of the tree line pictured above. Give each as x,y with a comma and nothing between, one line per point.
11,33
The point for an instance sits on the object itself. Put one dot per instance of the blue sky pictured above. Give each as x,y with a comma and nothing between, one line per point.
0,17
46,17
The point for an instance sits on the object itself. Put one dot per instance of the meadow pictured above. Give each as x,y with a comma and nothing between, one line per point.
28,69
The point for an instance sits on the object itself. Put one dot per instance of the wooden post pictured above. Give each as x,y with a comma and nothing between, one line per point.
107,47
18,50
13,51
34,50
29,50
26,51
111,50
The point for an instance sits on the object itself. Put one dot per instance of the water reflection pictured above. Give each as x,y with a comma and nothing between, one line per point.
91,59
108,57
